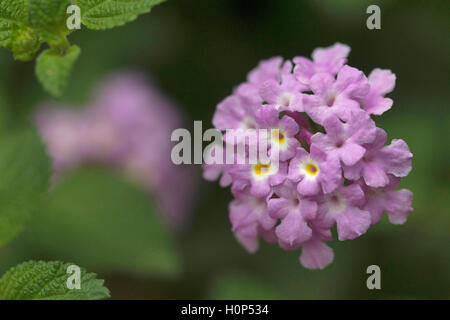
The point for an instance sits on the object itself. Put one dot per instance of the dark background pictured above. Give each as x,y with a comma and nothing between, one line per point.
198,51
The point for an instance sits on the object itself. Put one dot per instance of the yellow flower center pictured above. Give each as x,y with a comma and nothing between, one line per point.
278,136
312,169
261,169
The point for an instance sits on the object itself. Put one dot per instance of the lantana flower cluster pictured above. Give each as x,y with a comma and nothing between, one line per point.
335,166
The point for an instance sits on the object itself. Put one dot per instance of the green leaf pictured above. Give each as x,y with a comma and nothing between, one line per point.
105,14
26,24
53,69
24,43
102,222
48,18
15,33
48,281
12,15
24,171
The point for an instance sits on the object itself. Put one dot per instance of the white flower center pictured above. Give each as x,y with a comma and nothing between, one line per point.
248,123
285,99
336,202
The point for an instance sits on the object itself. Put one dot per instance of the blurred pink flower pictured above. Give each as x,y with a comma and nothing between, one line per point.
128,128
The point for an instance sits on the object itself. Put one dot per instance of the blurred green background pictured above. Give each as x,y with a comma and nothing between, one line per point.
198,51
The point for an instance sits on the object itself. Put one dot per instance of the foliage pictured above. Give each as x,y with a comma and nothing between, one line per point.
39,280
26,24
25,172
102,222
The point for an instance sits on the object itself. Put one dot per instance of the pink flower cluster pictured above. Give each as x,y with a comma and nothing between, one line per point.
335,167
126,128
